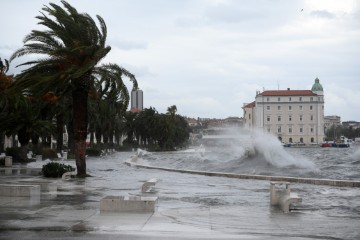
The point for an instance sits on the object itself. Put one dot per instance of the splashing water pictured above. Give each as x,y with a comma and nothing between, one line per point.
273,152
238,151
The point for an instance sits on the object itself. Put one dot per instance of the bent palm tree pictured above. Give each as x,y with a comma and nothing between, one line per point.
73,45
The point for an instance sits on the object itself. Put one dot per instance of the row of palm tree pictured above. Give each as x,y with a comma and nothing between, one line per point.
151,129
65,79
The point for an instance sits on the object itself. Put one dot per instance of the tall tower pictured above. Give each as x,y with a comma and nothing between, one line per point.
136,100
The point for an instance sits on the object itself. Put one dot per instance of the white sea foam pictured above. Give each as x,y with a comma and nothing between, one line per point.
273,152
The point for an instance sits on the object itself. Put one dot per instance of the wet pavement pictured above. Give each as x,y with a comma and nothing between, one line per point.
189,207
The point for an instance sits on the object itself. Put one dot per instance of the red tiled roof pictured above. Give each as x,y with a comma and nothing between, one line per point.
288,93
250,105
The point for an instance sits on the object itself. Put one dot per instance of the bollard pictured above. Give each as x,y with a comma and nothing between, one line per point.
8,161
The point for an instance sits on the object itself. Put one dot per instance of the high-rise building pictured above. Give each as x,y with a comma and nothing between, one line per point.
136,100
292,115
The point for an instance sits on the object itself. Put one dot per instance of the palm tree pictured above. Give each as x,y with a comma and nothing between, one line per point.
109,100
73,45
5,97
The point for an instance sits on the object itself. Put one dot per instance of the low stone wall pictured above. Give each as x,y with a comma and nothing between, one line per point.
14,190
138,204
315,181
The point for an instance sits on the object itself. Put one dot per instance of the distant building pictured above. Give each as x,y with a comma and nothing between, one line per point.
136,100
330,121
233,122
291,115
351,124
192,122
249,113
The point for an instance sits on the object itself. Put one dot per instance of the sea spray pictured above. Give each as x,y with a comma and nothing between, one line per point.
271,149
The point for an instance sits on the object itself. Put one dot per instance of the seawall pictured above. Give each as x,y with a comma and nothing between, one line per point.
315,181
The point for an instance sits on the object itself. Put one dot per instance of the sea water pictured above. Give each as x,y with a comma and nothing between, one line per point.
259,153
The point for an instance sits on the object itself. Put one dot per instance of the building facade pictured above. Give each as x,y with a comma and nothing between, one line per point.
330,121
294,116
137,99
249,114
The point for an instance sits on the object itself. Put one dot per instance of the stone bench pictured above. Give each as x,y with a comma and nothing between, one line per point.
148,186
138,204
17,190
283,198
45,186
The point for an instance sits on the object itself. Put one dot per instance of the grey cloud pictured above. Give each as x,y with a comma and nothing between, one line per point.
323,14
129,45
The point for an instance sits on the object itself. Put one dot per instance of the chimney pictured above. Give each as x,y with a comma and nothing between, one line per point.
288,89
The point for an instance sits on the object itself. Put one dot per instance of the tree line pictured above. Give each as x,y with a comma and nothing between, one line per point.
335,132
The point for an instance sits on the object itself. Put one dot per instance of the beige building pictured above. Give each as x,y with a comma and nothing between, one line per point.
249,112
331,121
294,116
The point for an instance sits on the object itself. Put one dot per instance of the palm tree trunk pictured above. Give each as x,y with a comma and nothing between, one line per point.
59,132
24,138
80,97
70,130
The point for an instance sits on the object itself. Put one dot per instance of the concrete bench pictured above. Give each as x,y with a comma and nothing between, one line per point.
68,175
15,190
138,204
283,198
45,186
148,186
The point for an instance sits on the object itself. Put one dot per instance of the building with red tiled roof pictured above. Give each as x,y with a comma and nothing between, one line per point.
292,115
288,92
249,112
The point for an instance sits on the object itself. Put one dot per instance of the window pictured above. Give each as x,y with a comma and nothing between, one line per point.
279,118
311,130
289,99
249,116
290,129
301,140
267,99
290,140
312,140
319,99
279,107
310,107
279,129
290,107
301,129
267,107
300,99
311,117
301,118
268,118
311,99
300,107
290,118
278,99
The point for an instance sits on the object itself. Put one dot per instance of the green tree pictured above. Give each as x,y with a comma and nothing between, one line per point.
5,97
109,101
72,44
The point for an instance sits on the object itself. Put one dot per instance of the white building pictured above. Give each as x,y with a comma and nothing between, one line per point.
136,100
292,115
330,121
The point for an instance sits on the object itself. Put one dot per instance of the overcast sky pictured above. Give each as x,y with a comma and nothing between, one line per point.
208,57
